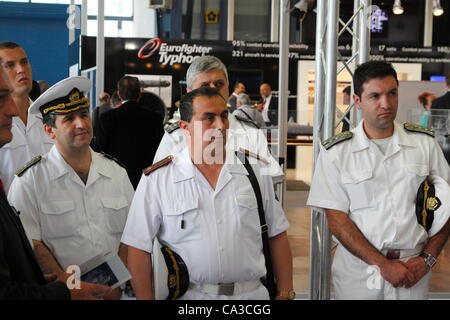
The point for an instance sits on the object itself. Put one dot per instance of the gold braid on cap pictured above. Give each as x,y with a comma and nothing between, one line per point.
61,107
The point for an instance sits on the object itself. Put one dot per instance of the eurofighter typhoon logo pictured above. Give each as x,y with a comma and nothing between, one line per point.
171,54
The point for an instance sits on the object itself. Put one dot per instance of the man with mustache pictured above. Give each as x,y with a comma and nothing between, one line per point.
73,201
367,181
201,204
29,140
20,275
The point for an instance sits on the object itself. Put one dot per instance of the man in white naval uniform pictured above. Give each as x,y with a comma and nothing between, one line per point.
29,139
367,181
73,201
202,206
209,71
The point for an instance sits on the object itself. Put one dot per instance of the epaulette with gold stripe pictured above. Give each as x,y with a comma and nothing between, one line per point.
158,165
107,156
31,163
411,127
254,155
343,136
247,121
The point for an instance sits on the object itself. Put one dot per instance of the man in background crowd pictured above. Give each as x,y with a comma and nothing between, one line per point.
244,109
239,87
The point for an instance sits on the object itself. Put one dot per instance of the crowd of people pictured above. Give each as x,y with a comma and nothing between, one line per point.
75,188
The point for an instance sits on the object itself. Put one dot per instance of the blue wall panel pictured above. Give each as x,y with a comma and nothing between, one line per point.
41,30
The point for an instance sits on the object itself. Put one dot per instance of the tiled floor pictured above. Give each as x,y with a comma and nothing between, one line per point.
299,233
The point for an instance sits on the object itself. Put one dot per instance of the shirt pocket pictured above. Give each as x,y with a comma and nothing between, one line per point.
115,211
359,188
248,215
182,221
58,219
415,174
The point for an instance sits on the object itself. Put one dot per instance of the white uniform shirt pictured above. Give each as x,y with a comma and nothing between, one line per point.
28,141
75,221
239,136
378,191
221,239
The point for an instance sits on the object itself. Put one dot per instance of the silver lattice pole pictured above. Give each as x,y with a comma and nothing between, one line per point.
327,56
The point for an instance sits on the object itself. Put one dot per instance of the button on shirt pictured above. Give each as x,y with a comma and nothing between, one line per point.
76,221
28,141
221,239
378,191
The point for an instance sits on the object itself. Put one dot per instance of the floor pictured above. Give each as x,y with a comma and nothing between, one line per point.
299,234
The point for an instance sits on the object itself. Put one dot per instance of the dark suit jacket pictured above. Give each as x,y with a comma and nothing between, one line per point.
273,110
442,102
98,111
131,134
20,275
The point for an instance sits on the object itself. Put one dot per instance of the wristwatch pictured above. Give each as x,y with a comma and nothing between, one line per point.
430,261
287,294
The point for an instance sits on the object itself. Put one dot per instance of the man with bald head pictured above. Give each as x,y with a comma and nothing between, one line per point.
29,139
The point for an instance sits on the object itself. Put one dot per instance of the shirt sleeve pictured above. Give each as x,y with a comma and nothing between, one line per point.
327,190
144,217
21,196
439,165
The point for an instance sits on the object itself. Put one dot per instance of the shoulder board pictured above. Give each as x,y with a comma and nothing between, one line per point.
254,155
158,165
247,121
416,128
327,144
107,156
31,163
172,127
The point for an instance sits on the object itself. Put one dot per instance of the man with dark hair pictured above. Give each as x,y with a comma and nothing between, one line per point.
132,132
20,275
443,102
73,201
366,181
239,87
201,204
29,139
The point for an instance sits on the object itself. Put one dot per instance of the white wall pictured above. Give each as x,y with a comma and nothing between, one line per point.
144,24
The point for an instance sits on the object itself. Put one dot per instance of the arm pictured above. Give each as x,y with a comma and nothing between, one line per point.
282,262
46,260
353,240
433,246
140,266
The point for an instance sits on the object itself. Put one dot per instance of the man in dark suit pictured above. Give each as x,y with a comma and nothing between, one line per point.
105,105
20,275
268,105
132,132
239,87
443,102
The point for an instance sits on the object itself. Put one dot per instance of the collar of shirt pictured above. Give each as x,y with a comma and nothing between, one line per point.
361,141
185,168
61,167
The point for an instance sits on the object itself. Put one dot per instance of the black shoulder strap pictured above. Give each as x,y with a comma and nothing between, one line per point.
246,114
269,281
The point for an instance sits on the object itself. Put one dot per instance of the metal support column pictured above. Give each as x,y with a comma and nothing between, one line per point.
275,21
428,28
230,20
84,17
100,77
283,89
327,56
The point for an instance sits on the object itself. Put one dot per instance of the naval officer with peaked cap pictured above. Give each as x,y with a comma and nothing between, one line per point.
73,201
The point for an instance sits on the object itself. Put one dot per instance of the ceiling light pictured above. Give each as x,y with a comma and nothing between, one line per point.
397,8
437,8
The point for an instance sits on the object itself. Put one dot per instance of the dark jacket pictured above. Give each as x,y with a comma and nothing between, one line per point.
20,275
131,134
442,102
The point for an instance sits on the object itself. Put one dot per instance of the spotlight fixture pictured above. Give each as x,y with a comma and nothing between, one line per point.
397,8
437,8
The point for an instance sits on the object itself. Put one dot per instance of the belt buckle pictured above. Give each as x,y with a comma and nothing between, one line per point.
226,289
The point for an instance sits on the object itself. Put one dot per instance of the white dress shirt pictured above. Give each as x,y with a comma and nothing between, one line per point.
265,111
76,221
220,241
28,141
